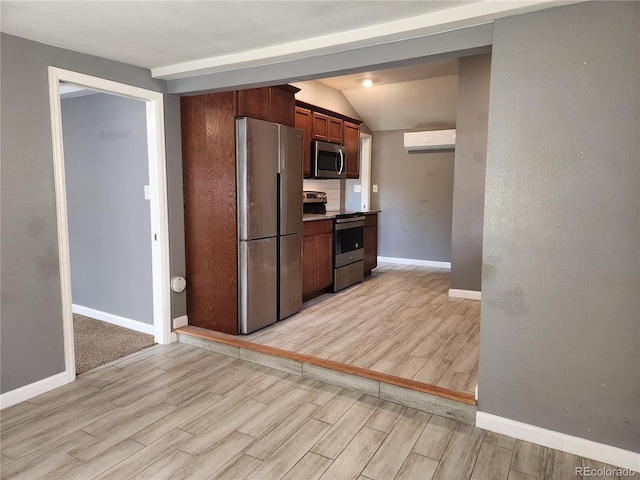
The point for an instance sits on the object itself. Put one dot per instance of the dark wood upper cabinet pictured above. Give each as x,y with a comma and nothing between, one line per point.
320,127
304,122
335,130
254,103
283,104
273,104
327,128
352,142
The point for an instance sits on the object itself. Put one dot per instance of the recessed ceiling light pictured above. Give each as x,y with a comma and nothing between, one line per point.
368,82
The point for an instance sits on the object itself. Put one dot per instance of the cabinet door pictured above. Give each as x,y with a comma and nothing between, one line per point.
254,103
324,260
308,265
320,127
304,122
352,142
282,106
370,248
209,176
335,130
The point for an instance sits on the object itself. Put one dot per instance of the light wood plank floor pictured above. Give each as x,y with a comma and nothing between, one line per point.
180,412
399,321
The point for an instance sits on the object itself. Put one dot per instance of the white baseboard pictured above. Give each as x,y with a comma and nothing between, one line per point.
33,389
114,319
560,441
413,261
470,294
182,321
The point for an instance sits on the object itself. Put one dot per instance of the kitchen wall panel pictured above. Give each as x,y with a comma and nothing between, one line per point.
559,335
469,178
331,187
416,198
31,337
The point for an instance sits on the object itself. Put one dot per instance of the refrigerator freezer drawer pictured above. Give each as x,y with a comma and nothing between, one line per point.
257,289
290,275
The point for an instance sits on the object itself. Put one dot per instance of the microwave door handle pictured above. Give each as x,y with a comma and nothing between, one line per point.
341,161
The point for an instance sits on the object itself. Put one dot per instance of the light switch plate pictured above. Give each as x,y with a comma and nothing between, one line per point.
357,188
147,192
375,189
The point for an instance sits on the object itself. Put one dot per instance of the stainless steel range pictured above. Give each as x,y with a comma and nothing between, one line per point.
314,202
348,248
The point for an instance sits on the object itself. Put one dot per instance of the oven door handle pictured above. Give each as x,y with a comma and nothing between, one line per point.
358,218
358,223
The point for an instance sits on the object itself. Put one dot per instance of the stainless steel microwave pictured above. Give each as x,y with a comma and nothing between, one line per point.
329,160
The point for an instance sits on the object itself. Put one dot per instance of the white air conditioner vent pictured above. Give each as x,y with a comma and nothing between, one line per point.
430,140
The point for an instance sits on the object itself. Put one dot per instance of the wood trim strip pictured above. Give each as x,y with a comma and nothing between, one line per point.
331,113
330,364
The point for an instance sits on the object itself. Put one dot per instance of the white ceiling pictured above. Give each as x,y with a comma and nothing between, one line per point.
154,34
428,103
394,75
185,38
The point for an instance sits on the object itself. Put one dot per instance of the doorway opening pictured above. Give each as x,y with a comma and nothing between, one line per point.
160,326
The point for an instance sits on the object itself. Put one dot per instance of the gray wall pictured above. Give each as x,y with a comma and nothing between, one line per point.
31,342
415,196
106,168
560,310
560,332
175,203
468,179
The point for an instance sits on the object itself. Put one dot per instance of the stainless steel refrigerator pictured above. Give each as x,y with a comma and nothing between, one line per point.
269,171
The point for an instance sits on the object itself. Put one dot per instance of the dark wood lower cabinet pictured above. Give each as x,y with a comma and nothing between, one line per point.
370,242
324,260
308,265
317,257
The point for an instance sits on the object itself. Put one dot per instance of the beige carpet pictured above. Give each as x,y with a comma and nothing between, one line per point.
97,343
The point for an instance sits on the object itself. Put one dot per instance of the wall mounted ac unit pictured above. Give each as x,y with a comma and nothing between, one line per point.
430,140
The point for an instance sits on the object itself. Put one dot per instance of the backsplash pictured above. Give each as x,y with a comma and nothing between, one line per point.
331,187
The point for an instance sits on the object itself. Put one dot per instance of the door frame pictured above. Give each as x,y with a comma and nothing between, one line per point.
365,170
158,202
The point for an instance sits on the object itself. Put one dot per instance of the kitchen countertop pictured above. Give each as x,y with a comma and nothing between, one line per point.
309,217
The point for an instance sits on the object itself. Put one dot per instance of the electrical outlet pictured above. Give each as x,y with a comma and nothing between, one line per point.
375,189
357,188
